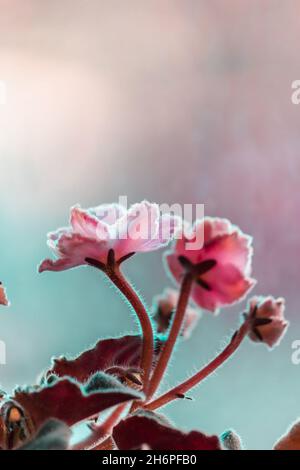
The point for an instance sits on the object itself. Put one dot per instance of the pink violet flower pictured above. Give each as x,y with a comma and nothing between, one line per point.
268,321
3,298
221,267
164,307
93,233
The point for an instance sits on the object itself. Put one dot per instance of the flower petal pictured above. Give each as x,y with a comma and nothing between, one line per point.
163,309
227,285
228,248
109,213
137,228
57,265
73,250
169,225
94,232
232,249
221,241
273,333
83,223
173,266
269,323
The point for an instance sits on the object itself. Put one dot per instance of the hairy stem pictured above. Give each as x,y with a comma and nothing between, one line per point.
100,431
129,293
180,390
173,335
107,444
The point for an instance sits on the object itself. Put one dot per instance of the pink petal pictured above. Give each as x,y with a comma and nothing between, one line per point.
79,248
273,309
95,231
168,226
214,227
73,250
223,242
230,249
191,319
268,307
184,246
272,333
229,280
137,229
163,311
109,213
228,285
195,239
60,264
87,225
143,222
54,237
173,266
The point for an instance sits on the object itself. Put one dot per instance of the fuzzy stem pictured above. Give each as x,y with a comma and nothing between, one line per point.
107,444
129,293
180,390
100,431
173,335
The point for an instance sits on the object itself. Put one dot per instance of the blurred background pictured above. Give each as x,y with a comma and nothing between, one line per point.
172,101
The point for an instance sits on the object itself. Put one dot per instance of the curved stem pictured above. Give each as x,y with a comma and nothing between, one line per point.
180,390
100,431
173,335
107,444
129,293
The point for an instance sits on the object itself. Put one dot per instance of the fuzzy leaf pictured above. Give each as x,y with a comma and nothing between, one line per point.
53,435
70,402
148,430
107,353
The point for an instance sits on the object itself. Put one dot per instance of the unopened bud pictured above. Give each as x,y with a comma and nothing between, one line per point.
231,440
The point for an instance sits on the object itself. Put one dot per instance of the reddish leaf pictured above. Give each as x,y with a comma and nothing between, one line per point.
69,401
122,352
146,429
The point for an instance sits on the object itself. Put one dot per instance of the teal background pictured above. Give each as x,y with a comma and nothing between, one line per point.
176,102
